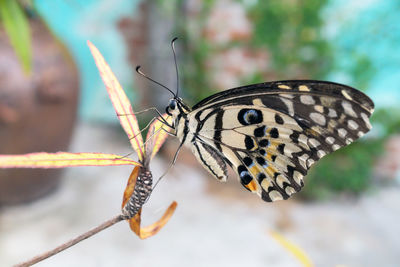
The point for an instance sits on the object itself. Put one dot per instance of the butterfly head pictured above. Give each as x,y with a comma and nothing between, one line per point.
176,107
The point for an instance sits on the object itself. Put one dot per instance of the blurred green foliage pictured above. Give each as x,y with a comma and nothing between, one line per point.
291,31
197,49
16,25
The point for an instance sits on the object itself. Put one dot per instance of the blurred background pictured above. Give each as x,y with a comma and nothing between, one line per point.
52,99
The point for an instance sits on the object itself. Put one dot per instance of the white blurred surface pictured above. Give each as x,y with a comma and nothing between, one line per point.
214,225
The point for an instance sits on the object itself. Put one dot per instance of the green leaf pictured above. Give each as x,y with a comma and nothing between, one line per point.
17,28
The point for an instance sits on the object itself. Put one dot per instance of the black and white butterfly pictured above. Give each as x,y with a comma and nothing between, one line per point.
271,133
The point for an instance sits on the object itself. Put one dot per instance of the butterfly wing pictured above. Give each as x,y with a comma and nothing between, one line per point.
272,133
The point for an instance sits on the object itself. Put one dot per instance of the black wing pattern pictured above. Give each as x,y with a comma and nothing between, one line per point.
272,133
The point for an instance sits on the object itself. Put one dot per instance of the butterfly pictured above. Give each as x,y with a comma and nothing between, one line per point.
270,133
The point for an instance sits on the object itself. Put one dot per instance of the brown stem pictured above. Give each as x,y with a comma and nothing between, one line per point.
72,242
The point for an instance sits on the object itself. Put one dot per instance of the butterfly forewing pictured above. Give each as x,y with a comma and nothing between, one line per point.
272,133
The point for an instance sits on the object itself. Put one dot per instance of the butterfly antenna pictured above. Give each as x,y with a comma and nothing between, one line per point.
150,79
176,65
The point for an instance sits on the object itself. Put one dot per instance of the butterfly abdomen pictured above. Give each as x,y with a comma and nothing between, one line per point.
141,192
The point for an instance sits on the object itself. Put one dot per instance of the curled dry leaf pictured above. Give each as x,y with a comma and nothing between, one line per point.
135,221
148,231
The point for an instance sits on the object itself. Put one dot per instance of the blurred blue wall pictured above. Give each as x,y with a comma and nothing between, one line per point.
370,30
75,22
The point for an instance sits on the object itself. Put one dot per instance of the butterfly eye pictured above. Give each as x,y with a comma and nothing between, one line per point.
172,104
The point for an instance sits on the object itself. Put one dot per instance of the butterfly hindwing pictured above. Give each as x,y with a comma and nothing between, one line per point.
272,133
211,160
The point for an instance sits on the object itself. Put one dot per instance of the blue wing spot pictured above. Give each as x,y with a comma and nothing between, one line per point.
250,116
245,177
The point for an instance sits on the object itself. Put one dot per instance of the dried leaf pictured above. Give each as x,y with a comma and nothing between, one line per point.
130,186
62,160
292,248
158,132
120,101
154,228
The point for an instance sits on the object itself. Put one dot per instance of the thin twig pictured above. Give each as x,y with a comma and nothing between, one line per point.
72,242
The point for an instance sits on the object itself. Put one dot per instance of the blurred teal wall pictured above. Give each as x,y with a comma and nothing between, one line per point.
370,31
75,22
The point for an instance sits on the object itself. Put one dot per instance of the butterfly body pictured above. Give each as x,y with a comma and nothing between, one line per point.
271,133
141,192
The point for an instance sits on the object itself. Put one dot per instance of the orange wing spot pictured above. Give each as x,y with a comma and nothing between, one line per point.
252,186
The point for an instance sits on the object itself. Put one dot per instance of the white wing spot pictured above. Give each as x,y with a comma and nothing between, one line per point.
302,139
310,162
359,134
330,140
335,147
366,120
280,180
314,142
342,132
321,153
304,88
364,117
298,177
258,102
348,109
275,195
265,184
290,96
289,105
332,113
318,118
283,86
290,190
352,125
349,141
332,124
303,160
307,99
319,108
346,95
